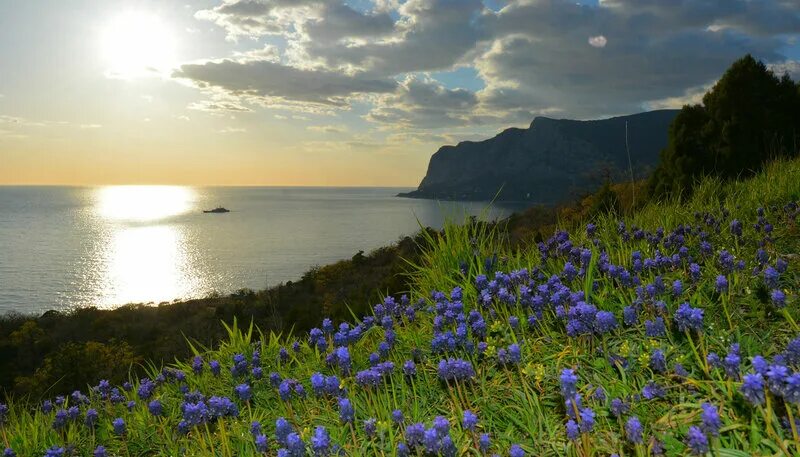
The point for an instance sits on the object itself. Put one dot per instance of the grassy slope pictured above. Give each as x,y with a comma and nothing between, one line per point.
515,403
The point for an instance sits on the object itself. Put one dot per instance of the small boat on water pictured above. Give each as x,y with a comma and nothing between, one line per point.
217,210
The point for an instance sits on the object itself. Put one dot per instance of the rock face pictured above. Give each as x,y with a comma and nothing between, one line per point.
547,163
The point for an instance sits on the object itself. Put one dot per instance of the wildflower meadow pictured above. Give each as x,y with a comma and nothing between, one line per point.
672,331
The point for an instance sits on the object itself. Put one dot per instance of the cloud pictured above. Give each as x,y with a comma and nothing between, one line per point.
274,83
424,103
598,41
232,130
790,67
533,57
327,128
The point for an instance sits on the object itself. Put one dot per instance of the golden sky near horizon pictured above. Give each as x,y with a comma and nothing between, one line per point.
337,92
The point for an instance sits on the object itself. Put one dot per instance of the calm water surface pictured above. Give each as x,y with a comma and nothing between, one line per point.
63,247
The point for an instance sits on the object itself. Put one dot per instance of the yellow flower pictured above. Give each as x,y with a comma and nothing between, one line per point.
625,349
644,359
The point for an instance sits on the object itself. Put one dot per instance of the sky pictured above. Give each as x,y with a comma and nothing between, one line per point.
340,92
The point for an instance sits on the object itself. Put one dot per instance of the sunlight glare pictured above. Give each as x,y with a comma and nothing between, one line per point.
144,203
136,44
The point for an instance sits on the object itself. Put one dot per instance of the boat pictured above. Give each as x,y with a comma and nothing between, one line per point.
217,210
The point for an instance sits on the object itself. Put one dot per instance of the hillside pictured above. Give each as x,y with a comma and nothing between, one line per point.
547,163
672,330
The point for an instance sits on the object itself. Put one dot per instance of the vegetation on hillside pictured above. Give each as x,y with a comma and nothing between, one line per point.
39,353
749,117
672,330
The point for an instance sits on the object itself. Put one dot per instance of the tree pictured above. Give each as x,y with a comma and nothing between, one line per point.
748,118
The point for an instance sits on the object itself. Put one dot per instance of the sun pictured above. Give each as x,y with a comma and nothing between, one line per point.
136,44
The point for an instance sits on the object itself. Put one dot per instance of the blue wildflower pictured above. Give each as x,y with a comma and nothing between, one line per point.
587,420
721,284
516,451
99,451
470,420
321,442
710,419
568,383
155,407
119,426
658,362
573,431
697,441
484,442
370,426
778,298
753,388
244,392
346,412
261,442
688,318
633,430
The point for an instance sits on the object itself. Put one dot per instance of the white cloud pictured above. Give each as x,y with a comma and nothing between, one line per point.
532,56
598,41
327,128
232,130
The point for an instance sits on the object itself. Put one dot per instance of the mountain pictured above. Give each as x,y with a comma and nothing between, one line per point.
547,163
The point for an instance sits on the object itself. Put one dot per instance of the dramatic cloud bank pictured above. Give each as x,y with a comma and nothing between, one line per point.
406,60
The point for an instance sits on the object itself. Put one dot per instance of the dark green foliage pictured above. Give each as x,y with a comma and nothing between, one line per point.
749,117
36,352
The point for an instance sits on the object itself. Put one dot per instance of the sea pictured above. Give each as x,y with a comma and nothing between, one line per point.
69,247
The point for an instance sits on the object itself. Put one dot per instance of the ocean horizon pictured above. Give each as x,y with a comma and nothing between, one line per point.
67,247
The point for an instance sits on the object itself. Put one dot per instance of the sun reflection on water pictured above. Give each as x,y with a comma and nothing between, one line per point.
143,203
145,254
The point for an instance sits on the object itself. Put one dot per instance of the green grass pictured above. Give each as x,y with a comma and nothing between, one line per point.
515,403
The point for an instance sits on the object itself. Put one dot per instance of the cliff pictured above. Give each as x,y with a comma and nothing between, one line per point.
547,163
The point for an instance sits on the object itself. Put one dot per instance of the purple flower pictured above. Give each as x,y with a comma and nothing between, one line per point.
688,318
397,416
282,430
630,315
244,392
119,426
455,370
155,408
652,390
697,441
55,451
710,419
262,445
753,388
321,442
484,442
633,430
732,361
409,368
346,412
370,427
604,322
587,420
99,451
222,407
516,451
568,383
8,452
655,328
470,420
91,418
778,298
658,362
573,431
215,367
619,407
721,284
771,277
